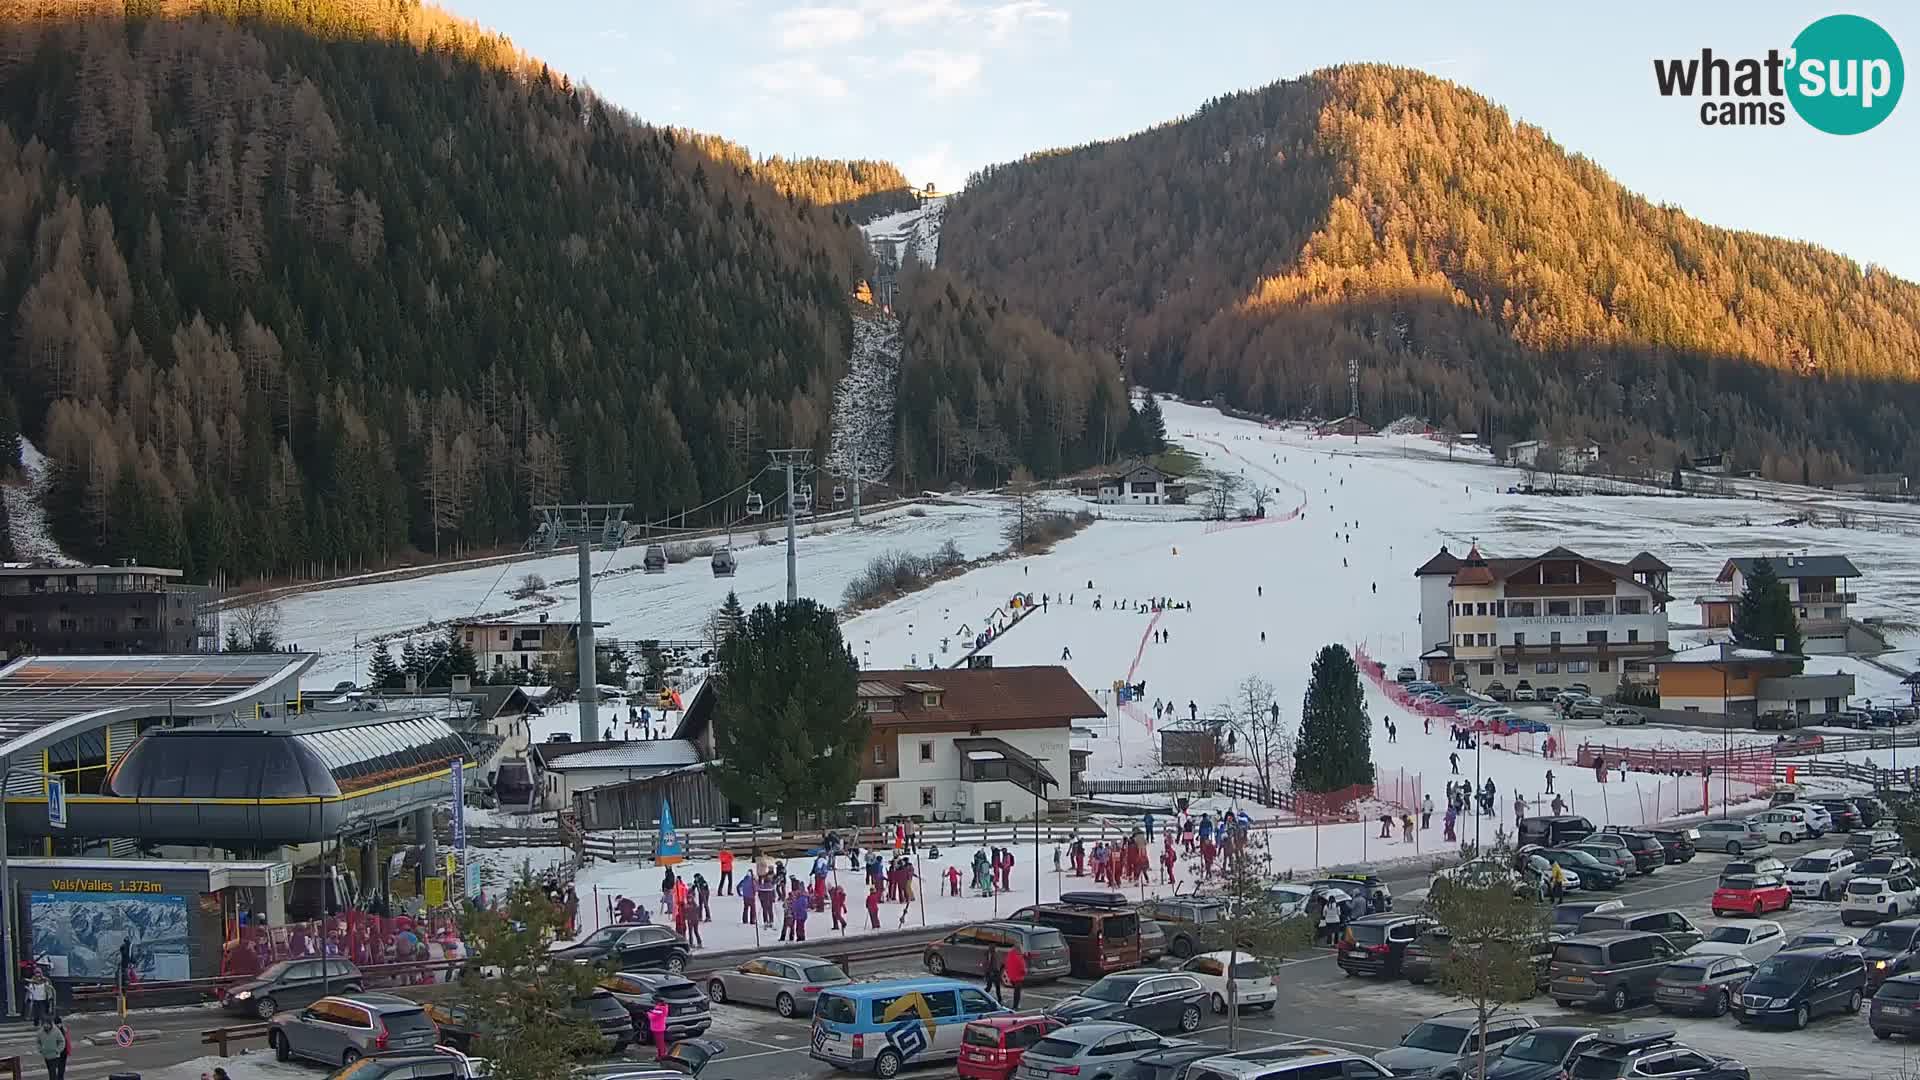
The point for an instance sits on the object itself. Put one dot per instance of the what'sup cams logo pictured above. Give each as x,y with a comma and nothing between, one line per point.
1842,75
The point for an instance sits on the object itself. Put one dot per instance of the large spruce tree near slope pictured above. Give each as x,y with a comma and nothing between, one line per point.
1764,619
1336,748
787,727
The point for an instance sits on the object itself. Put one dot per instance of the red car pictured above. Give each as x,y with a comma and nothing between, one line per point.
1751,894
991,1049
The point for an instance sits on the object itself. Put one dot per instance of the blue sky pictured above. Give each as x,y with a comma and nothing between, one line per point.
942,87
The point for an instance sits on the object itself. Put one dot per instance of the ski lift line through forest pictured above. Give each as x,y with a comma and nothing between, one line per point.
716,500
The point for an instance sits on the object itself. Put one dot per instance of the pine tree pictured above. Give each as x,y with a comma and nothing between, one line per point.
1153,426
1335,749
382,672
459,658
789,732
1763,618
412,663
233,642
726,621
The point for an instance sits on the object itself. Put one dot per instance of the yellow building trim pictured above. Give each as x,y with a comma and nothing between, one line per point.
295,800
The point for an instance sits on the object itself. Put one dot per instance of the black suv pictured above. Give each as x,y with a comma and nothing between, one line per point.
1553,830
1794,986
1678,842
1846,816
1649,854
630,948
1633,1050
1377,944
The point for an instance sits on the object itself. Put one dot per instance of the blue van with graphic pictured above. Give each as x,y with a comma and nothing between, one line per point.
877,1027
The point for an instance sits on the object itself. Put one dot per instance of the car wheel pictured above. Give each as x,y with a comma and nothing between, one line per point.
1853,1001
1219,1005
1800,1017
676,963
265,1007
1619,999
1882,1033
1267,1006
936,964
1722,1003
716,991
1786,838
350,1056
1733,848
783,1005
1190,1019
281,1051
1665,1009
887,1065
1181,948
1565,1003
1826,892
1718,914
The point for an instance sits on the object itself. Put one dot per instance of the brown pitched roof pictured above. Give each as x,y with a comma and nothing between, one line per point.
975,695
1646,560
1502,569
1443,563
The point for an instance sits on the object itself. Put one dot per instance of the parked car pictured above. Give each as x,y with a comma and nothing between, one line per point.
1185,920
1621,716
1526,725
1794,987
291,984
1153,999
1405,675
1523,692
688,1014
1610,968
1649,854
1786,826
789,983
1544,1053
1637,1050
1822,939
1633,862
1753,941
1819,818
1846,816
1586,708
1872,810
1750,894
1566,917
1886,866
1892,948
1700,984
1821,874
1896,1008
1444,1046
1669,923
1376,944
460,1027
1553,830
1169,1063
1871,899
344,1028
1498,691
1153,940
630,948
433,1063
1089,1050
1757,865
1614,855
1732,837
1805,742
1292,1061
1875,842
992,1046
1682,844
1252,986
1371,888
1586,866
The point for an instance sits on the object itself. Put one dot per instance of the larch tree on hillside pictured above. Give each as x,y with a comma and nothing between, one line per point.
1335,748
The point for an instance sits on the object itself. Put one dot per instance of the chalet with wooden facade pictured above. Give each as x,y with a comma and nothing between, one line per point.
1733,680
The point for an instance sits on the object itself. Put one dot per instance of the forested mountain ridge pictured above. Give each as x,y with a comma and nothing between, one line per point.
1481,276
301,287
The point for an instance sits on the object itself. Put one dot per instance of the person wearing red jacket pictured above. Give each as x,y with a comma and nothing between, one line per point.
838,898
873,905
1015,969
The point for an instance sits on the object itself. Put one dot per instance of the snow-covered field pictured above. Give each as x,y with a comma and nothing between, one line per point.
338,622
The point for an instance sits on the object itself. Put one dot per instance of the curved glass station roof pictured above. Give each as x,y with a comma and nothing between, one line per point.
212,763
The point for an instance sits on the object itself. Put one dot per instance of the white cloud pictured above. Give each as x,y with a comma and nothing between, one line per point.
818,27
797,78
946,72
915,12
1006,20
935,165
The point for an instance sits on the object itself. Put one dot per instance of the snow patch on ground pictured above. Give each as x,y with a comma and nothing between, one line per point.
863,403
27,510
916,230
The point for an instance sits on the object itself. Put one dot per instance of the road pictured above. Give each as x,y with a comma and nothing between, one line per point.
1318,1004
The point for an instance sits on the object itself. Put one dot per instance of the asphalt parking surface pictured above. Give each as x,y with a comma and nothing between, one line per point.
1318,1004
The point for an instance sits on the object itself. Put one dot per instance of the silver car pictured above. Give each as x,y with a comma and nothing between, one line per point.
1089,1050
787,982
342,1029
964,951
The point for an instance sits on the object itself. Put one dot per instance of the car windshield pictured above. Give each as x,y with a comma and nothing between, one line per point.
1111,988
1367,933
1887,937
1542,1046
1876,867
1870,887
277,971
606,935
822,973
1811,866
1579,858
1442,1038
1787,968
1733,935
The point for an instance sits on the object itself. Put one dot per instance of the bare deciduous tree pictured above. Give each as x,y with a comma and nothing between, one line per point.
1262,737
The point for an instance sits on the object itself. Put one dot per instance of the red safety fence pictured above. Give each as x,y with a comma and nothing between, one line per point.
1393,792
1754,760
353,935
